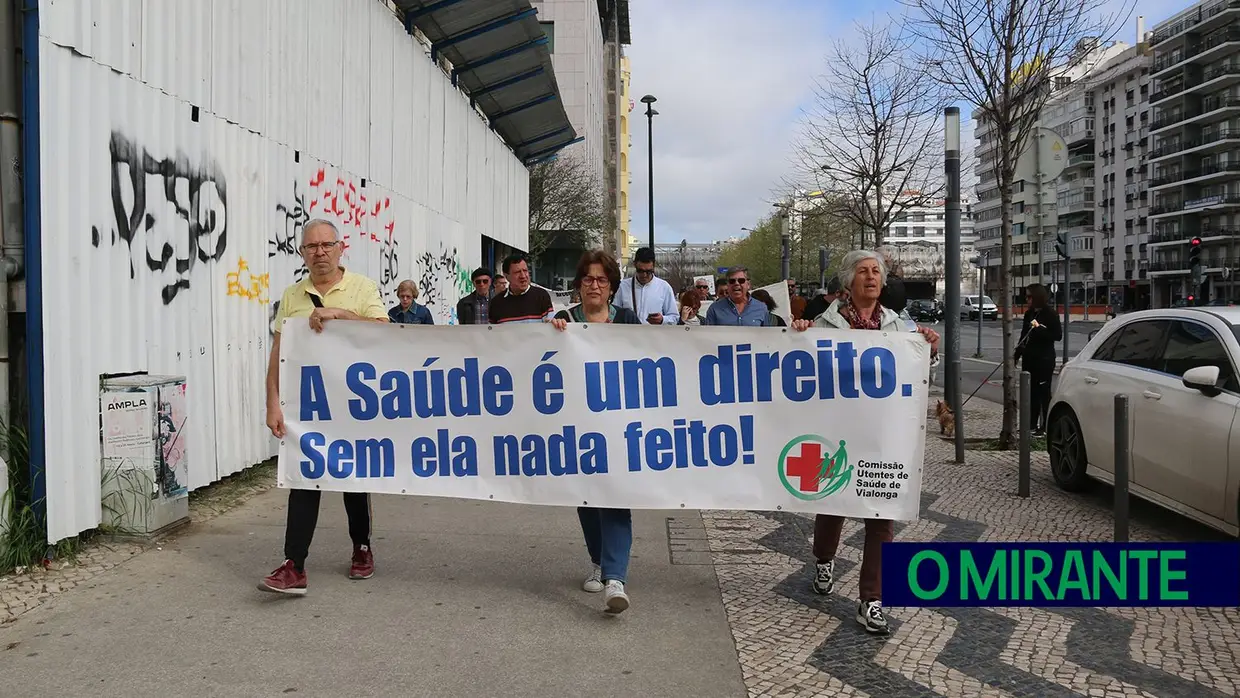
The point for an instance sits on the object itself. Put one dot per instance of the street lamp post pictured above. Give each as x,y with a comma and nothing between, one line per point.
649,101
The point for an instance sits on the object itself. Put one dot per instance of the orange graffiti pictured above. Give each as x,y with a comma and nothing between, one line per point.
251,287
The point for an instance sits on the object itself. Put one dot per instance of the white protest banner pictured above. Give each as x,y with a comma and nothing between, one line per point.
822,421
783,300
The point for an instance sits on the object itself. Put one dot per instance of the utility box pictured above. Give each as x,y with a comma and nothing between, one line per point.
145,462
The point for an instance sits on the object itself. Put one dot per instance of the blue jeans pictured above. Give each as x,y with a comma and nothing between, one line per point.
609,538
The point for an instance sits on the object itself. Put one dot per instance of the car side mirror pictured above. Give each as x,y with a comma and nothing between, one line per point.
1203,378
1093,333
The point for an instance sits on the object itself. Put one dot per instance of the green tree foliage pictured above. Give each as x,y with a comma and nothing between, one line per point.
809,230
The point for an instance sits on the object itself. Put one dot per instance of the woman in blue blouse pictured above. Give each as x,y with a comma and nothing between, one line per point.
408,312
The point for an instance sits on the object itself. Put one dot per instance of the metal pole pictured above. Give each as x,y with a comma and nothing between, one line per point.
952,270
1122,458
1022,486
1067,302
954,369
650,161
981,285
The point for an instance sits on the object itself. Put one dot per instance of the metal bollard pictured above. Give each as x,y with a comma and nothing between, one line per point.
1122,458
957,409
1025,419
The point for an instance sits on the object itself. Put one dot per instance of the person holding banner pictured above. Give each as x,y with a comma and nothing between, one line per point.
328,293
738,308
608,532
862,276
523,301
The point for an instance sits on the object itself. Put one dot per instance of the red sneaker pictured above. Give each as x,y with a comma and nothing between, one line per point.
363,566
285,580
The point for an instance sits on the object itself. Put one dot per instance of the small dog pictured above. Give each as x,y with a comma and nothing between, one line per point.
947,419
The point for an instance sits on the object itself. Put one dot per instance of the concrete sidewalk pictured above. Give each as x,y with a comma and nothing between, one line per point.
469,599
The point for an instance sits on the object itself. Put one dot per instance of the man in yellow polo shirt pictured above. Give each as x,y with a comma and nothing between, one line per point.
328,293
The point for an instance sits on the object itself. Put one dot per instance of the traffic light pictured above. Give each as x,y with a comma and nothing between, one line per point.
1194,253
1061,245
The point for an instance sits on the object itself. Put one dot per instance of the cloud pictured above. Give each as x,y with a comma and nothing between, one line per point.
729,81
732,78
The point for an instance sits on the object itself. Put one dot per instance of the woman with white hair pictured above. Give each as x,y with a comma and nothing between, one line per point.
862,276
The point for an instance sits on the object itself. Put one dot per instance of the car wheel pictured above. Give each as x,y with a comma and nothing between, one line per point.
1066,446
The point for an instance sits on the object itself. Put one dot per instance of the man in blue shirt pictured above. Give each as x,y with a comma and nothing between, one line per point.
738,308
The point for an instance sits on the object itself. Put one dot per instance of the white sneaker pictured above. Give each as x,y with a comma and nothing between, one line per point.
594,582
870,615
824,577
617,601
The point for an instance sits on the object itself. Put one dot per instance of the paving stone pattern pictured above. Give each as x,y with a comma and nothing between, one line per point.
24,590
792,642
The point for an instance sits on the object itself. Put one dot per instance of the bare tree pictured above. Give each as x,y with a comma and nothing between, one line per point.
676,268
1004,57
566,205
870,139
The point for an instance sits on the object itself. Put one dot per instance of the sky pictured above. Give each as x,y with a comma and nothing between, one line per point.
733,79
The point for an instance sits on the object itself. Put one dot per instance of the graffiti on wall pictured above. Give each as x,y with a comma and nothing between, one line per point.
443,279
170,212
362,220
244,284
284,239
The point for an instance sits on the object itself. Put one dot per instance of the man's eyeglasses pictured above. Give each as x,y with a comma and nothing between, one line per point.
703,288
316,246
737,282
644,272
482,282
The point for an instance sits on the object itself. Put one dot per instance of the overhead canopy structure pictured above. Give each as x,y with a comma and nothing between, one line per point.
500,57
621,8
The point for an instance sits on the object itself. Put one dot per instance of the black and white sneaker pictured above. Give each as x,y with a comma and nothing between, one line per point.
824,577
870,615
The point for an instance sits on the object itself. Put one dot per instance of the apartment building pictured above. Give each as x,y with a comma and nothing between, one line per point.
1039,212
926,224
587,39
1195,127
1120,256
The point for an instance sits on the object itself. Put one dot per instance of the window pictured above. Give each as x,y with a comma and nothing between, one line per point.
1138,345
549,29
1191,344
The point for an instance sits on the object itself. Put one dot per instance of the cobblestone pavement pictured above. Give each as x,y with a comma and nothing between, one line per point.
793,642
22,591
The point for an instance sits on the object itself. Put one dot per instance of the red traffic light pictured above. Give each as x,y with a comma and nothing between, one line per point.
1195,242
1191,299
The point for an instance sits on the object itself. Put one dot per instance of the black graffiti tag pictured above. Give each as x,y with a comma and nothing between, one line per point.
178,207
434,271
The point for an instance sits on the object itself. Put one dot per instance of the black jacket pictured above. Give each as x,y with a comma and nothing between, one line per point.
1041,342
466,310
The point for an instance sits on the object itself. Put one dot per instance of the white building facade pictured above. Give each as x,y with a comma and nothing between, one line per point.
180,152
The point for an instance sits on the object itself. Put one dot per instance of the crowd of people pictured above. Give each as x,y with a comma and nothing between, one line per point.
862,296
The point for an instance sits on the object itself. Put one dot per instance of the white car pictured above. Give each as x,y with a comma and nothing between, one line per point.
1178,368
970,306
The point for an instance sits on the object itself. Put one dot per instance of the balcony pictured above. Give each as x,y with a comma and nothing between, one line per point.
1191,206
1211,106
1220,136
1216,75
1078,206
1207,235
1180,266
1082,159
1205,19
1195,49
1189,174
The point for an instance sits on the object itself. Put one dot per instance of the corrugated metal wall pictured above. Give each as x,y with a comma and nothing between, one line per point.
184,144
